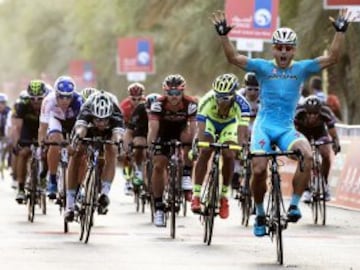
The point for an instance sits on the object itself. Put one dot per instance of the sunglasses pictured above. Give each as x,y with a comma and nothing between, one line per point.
174,92
252,88
136,99
280,47
64,96
36,99
224,97
101,120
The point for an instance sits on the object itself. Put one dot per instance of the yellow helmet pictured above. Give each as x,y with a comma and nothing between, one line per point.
225,84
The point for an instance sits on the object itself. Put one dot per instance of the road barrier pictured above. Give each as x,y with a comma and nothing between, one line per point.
344,178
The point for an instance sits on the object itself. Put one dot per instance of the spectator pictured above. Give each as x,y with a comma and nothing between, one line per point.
304,93
316,88
334,104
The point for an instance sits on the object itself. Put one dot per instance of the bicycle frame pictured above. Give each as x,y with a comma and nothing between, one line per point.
317,183
88,204
211,194
276,220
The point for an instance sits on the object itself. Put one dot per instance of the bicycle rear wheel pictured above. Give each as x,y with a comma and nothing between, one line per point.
246,206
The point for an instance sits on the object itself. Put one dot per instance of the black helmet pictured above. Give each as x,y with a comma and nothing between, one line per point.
250,79
312,104
174,81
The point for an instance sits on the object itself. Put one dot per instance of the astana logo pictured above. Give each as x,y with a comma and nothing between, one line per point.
262,17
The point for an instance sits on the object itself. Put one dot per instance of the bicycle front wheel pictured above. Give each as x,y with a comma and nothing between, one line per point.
322,202
315,202
212,206
277,218
32,191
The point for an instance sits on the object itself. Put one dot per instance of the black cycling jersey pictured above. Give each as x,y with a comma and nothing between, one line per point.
139,121
25,111
319,127
85,118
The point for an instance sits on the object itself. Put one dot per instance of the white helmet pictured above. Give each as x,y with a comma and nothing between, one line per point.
102,105
3,97
285,36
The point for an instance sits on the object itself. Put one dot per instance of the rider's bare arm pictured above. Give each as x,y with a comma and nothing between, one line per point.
153,131
340,25
42,132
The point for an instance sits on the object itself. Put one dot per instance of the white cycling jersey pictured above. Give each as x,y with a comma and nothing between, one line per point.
54,116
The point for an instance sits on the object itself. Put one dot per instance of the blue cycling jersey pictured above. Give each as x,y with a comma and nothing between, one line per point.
280,88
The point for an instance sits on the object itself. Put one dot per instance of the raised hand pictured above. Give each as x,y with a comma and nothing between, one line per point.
342,21
219,21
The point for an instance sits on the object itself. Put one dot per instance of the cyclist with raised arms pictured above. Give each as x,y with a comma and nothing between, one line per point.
171,117
280,80
58,115
225,114
25,128
316,121
99,116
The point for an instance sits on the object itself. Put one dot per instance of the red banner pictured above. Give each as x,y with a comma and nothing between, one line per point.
337,4
83,73
252,18
135,55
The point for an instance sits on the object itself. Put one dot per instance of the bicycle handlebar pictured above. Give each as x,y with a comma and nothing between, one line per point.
275,154
97,140
319,143
203,144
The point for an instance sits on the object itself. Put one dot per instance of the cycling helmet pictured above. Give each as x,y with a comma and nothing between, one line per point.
225,84
150,99
312,104
24,94
136,89
3,98
64,85
102,105
88,91
285,36
36,88
174,81
250,79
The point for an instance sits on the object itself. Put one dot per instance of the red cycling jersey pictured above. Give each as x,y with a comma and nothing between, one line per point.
127,107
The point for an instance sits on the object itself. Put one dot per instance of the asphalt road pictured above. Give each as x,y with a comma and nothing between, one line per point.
124,239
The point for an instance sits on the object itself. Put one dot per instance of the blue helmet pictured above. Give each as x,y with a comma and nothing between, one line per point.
64,85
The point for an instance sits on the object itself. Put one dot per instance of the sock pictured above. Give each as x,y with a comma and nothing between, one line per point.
158,203
53,179
187,170
224,191
70,199
105,186
295,199
259,209
197,190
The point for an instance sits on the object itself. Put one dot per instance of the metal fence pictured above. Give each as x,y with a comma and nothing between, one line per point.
348,130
